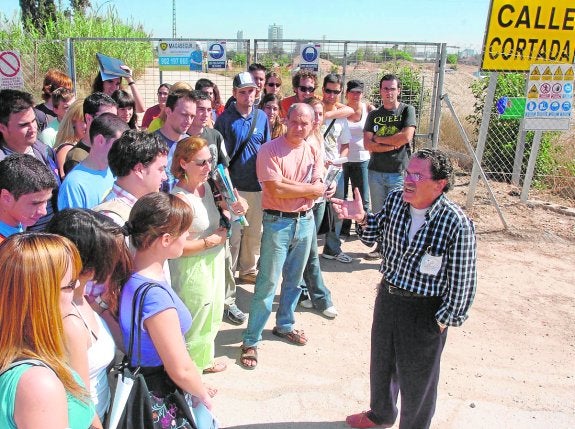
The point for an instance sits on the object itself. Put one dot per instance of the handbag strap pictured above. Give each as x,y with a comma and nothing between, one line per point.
137,303
329,127
34,362
242,145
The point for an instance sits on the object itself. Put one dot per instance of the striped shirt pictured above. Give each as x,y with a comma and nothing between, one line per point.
439,261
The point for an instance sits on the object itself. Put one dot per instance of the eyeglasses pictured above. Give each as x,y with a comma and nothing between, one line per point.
202,162
332,91
275,85
307,89
70,286
414,177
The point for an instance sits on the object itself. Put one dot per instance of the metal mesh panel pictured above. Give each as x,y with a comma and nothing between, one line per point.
36,58
414,63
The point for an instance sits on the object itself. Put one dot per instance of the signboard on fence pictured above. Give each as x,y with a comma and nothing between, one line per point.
549,97
180,55
11,70
522,32
217,58
309,54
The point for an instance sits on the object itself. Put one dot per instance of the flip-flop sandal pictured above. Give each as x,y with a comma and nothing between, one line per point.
249,354
296,336
215,367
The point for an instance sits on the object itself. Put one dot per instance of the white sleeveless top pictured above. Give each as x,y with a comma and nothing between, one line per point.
357,152
100,354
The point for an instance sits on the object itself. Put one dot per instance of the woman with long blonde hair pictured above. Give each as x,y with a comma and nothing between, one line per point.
38,274
71,131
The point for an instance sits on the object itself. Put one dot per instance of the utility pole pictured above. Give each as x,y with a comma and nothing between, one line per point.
174,19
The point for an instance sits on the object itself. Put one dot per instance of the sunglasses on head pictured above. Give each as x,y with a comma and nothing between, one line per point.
332,91
276,85
309,89
202,162
70,286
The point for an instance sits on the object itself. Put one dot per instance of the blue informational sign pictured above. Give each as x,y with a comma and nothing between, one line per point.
217,57
310,56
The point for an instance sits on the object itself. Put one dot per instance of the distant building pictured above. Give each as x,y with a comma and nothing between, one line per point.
275,37
240,43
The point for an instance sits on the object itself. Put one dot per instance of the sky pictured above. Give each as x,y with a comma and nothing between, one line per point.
458,23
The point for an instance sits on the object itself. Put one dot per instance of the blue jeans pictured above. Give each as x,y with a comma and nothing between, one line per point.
286,244
356,173
332,244
381,184
312,277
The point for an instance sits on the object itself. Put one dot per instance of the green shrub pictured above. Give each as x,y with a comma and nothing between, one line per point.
46,48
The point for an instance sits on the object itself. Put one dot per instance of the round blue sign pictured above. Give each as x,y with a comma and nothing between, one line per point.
566,106
568,87
531,106
216,51
554,106
309,54
543,105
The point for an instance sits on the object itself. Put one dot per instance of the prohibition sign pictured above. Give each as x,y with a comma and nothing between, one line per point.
9,64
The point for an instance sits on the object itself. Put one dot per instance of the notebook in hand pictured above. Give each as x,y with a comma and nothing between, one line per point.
110,68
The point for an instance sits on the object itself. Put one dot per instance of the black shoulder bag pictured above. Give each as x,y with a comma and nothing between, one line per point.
154,399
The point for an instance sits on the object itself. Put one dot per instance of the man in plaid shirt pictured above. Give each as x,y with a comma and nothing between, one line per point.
429,281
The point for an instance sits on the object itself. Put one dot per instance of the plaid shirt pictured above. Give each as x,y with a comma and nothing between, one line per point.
447,236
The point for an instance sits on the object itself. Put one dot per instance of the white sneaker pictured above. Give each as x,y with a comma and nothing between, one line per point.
330,312
306,303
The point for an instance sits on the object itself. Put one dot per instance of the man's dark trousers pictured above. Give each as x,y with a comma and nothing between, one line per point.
406,346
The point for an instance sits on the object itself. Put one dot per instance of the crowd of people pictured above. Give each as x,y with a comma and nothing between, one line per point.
96,207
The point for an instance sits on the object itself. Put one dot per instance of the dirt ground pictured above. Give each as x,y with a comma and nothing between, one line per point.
511,365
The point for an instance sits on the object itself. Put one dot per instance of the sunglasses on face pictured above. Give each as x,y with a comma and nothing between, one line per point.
70,286
332,91
275,85
202,162
307,89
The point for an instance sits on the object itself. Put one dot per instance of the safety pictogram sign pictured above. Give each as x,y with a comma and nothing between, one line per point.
549,97
10,70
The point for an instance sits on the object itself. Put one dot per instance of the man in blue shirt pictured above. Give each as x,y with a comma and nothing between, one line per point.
26,187
90,181
245,129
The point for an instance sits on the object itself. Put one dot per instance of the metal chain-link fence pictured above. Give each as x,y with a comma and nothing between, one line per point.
36,58
416,64
508,146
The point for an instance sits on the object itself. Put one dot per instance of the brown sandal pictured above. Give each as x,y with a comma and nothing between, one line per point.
296,336
249,354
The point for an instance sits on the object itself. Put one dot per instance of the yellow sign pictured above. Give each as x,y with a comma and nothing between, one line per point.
522,32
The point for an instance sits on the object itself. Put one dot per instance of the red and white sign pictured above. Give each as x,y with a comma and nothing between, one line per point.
10,70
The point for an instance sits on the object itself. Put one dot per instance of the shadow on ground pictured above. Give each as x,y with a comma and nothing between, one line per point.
293,425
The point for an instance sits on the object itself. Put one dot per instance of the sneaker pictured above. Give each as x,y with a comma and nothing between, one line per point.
248,278
235,315
306,303
330,312
373,256
340,257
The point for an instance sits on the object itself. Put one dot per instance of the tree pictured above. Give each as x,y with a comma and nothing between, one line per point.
80,6
36,13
